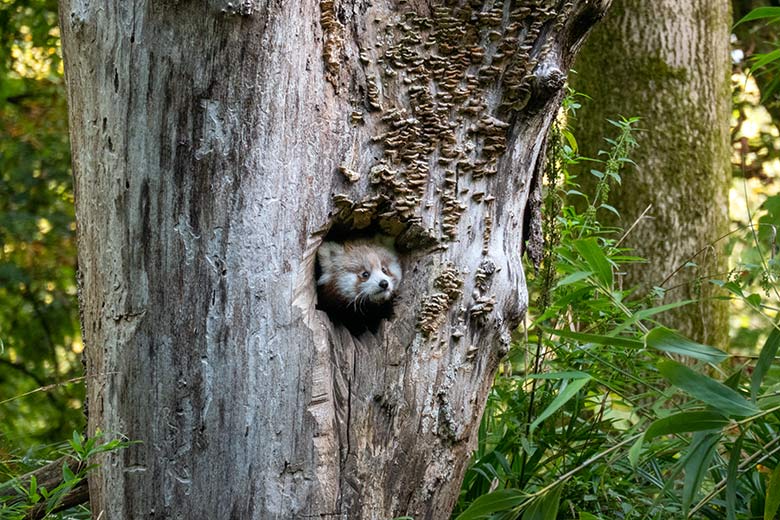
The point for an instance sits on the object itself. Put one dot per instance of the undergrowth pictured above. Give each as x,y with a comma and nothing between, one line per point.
600,412
26,496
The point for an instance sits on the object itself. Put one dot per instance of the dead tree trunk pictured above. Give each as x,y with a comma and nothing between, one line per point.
214,147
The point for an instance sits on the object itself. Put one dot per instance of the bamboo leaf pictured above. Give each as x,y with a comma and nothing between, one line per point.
571,374
635,451
570,139
765,360
696,464
67,474
616,341
760,13
706,389
763,59
494,502
661,338
731,479
610,208
733,380
647,313
686,422
546,507
573,278
569,391
593,255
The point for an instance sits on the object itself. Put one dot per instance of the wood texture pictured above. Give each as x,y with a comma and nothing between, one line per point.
215,144
674,59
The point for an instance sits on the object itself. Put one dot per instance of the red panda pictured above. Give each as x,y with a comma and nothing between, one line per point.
357,282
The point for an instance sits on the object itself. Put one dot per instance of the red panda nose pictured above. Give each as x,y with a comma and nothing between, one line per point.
383,284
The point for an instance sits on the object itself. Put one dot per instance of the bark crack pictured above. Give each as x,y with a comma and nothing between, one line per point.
349,403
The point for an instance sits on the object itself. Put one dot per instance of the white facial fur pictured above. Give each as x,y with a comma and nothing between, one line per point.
360,271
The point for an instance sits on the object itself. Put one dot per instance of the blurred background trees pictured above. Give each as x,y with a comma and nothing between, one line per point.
39,332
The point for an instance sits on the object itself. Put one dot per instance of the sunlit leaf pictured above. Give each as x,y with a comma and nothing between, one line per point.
648,313
570,139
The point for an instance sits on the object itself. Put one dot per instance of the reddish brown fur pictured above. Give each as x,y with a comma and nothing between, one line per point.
357,282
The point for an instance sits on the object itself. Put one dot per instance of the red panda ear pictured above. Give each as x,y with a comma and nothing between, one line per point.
328,252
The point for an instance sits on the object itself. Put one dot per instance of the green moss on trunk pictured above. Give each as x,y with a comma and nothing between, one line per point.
668,63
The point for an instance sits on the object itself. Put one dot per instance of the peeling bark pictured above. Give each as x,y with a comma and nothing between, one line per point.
214,149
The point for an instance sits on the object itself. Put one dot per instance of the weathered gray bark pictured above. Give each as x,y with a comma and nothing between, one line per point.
213,149
668,63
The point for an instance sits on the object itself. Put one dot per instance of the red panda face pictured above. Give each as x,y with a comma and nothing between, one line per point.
359,272
375,279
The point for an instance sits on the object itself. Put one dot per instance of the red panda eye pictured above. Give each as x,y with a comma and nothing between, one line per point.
365,274
384,269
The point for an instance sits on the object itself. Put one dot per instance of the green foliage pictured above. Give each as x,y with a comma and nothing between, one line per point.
593,415
756,147
20,495
39,333
768,62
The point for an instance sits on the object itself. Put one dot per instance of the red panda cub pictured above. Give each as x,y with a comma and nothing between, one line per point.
357,282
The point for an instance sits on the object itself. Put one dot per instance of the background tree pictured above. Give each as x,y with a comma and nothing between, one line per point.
674,59
213,150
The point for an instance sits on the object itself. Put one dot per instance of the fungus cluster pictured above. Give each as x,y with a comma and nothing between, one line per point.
444,88
449,288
